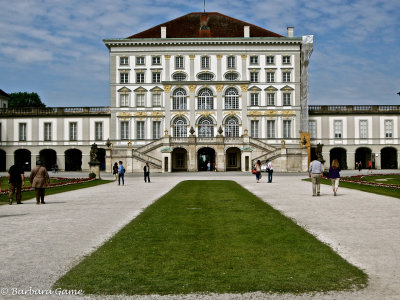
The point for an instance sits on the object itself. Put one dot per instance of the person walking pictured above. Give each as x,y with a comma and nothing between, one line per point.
270,170
334,175
258,170
121,173
39,179
315,173
115,170
16,180
146,171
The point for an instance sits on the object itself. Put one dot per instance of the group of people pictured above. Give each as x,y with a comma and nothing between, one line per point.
119,172
316,171
257,170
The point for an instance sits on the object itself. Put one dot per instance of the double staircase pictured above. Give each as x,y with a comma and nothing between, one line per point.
270,152
141,153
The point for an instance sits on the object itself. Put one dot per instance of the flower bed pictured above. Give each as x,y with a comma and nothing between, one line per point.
358,179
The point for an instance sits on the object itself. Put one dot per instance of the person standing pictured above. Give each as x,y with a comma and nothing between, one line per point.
115,170
16,180
370,166
258,170
334,175
208,166
121,173
315,172
39,179
359,166
146,171
270,170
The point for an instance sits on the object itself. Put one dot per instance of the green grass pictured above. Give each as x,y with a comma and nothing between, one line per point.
211,236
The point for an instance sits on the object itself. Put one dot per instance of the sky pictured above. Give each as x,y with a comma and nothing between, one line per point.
55,47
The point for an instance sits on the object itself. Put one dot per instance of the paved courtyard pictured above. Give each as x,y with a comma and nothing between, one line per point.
39,243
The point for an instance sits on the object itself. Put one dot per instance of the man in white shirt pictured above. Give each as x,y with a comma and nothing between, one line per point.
270,170
315,171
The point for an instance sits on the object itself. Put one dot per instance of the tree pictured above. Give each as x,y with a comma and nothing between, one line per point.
24,99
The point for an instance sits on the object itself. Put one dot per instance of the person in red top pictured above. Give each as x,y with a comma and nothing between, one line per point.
370,166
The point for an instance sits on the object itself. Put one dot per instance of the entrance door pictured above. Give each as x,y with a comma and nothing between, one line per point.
205,159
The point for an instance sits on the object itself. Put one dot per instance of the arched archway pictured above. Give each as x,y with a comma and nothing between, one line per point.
48,158
233,159
22,157
364,155
73,160
341,155
3,161
101,157
389,158
204,156
179,159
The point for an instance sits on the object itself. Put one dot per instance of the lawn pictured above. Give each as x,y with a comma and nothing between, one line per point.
211,236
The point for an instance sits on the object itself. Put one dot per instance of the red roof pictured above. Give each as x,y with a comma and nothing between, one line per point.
210,24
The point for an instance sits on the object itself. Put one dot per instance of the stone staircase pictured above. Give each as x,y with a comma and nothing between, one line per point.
140,153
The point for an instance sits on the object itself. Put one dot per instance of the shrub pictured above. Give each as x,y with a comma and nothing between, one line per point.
92,175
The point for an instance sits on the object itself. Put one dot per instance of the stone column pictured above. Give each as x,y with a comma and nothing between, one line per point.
220,105
244,67
192,155
219,67
191,74
244,107
167,99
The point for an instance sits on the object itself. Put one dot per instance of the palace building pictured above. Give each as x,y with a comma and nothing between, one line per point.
203,89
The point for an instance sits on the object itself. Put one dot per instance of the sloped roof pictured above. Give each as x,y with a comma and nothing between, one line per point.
4,94
210,24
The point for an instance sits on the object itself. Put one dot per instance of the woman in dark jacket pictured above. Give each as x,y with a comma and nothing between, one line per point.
334,175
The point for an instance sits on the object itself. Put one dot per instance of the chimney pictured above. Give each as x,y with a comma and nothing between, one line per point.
163,32
246,31
290,31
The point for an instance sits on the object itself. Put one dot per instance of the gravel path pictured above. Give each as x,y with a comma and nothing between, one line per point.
39,243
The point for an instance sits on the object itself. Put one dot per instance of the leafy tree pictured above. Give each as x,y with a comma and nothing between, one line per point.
24,99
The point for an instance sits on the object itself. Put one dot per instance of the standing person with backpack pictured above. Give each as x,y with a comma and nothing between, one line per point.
121,173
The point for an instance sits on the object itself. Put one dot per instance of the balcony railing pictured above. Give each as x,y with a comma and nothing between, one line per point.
54,111
353,109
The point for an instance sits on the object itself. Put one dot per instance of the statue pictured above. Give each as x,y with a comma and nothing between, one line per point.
93,153
318,153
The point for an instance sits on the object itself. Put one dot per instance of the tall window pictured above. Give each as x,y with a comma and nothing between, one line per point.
179,62
363,129
231,62
73,131
156,60
254,129
270,60
270,76
253,76
286,59
287,129
254,60
231,127
156,77
140,77
179,99
206,127
140,130
286,99
231,99
47,131
337,127
140,60
124,130
271,129
180,128
205,62
156,99
389,128
271,99
98,131
22,131
205,99
286,76
123,60
139,100
254,99
156,130
124,77
124,100
312,128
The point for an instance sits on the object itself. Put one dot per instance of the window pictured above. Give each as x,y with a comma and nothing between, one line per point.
139,100
337,126
286,76
231,62
206,127
205,100
73,131
254,60
140,130
47,131
205,76
270,99
124,130
98,131
140,60
287,124
253,76
140,77
124,78
156,77
179,99
179,62
312,128
389,128
363,129
231,76
254,99
270,60
156,60
286,99
205,62
180,128
286,59
270,76
124,100
271,129
123,61
179,76
231,99
231,127
254,129
22,131
156,130
156,99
